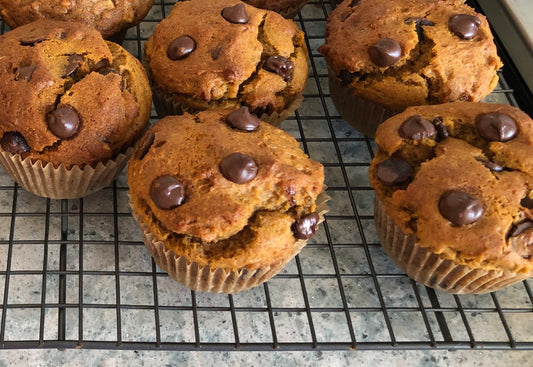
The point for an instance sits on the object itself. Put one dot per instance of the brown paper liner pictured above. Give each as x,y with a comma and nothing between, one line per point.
61,183
429,268
217,280
361,113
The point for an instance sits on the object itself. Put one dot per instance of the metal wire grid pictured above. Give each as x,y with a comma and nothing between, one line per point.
75,273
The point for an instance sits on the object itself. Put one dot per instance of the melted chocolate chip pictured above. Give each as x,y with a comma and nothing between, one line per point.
527,203
385,52
64,122
442,130
167,192
31,41
242,119
107,70
354,3
494,167
239,168
13,142
460,207
74,63
419,21
236,14
280,65
306,227
25,72
216,52
145,145
416,128
464,26
496,126
394,171
180,48
520,228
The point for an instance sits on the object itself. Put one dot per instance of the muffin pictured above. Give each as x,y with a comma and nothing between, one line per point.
224,200
72,105
454,194
385,56
287,8
226,54
110,18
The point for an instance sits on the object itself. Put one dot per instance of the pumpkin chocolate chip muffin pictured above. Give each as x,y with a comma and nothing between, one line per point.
224,200
384,56
454,194
226,53
110,17
72,103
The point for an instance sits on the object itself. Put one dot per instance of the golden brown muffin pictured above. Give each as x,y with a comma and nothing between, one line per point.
69,97
109,17
223,193
387,55
226,54
287,8
454,194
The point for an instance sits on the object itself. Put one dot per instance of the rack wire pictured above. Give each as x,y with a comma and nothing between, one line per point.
75,273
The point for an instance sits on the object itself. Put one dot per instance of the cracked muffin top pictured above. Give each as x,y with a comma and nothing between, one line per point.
107,16
67,95
402,53
226,53
223,188
460,177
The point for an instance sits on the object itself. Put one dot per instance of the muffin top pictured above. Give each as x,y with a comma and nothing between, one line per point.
459,176
229,53
107,16
222,187
411,52
68,96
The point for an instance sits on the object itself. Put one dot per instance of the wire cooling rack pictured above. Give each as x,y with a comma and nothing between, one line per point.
75,273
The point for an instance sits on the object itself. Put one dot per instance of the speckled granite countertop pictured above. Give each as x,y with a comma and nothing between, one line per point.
91,294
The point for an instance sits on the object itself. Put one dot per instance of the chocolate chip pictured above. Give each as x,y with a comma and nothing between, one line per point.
460,207
442,130
280,65
394,171
520,228
64,122
494,167
464,26
74,62
385,52
242,119
62,35
180,48
419,21
216,52
354,3
167,192
31,41
25,72
13,142
306,226
144,145
239,168
236,14
416,128
496,126
107,70
527,203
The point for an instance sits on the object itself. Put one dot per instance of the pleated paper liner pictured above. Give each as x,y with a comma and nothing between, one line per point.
217,280
361,113
61,183
432,270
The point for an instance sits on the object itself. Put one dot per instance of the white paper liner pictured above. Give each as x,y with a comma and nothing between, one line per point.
217,280
429,268
361,113
61,183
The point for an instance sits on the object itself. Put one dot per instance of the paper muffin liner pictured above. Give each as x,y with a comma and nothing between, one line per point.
217,280
361,113
165,105
61,183
430,269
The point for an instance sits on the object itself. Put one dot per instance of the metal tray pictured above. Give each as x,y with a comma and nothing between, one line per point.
75,273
